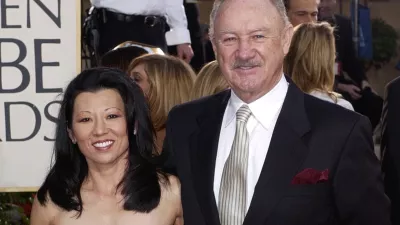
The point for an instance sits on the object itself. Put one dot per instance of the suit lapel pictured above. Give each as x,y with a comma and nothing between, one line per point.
203,150
285,155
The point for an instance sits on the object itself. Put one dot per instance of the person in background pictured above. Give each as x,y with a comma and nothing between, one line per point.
311,59
351,80
166,81
122,55
301,11
143,22
390,147
106,167
209,81
192,15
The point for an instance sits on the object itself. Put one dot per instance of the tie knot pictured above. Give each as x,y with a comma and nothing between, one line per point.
243,114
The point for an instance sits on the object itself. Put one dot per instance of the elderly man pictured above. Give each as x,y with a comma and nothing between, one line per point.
263,152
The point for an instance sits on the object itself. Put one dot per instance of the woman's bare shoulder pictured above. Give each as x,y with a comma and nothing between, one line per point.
176,198
175,184
171,199
170,187
43,213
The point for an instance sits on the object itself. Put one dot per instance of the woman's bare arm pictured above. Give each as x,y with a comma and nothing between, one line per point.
176,190
42,214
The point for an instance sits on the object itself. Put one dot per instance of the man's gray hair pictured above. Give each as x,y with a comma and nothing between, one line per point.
279,5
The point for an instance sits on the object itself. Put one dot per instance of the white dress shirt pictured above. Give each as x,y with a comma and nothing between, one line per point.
173,10
261,124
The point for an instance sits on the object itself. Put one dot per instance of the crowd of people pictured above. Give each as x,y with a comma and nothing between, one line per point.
267,133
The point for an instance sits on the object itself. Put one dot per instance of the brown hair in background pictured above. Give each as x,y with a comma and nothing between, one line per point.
121,58
311,57
171,82
209,81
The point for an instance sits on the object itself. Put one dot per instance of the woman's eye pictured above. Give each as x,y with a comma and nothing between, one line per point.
83,120
112,116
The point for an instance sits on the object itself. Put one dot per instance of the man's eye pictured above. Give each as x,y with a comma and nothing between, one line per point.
229,40
258,36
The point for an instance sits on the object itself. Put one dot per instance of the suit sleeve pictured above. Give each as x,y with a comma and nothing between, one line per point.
358,185
384,124
390,145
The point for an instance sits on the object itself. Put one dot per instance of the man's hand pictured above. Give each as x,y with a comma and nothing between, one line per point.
350,89
185,52
365,84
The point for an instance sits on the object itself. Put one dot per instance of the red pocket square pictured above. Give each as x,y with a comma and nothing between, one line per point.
311,176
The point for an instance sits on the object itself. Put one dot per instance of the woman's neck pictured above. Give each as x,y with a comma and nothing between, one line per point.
104,179
160,136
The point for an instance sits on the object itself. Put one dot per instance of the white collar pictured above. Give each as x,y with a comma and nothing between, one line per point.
263,109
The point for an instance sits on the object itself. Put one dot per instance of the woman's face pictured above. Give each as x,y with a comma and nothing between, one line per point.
99,126
138,74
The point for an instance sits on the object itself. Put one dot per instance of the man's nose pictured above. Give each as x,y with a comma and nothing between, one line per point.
307,19
245,49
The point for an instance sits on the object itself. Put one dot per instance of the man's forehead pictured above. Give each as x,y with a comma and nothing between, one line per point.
252,9
246,16
245,5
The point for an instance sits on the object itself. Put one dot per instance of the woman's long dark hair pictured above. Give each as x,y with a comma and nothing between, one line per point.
140,185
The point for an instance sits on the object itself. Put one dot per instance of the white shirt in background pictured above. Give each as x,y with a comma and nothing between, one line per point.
173,10
340,101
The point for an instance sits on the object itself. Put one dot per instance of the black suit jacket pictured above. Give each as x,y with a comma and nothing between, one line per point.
309,133
390,146
346,51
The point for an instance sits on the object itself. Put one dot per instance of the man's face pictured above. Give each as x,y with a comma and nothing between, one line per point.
327,8
250,42
303,11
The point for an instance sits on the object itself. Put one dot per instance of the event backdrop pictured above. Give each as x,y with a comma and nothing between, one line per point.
39,55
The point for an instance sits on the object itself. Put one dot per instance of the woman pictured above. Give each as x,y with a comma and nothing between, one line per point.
105,171
311,59
209,81
166,81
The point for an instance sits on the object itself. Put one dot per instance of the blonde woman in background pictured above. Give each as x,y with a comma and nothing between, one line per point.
209,81
166,81
311,59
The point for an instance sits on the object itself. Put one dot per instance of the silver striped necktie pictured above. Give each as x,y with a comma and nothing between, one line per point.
233,189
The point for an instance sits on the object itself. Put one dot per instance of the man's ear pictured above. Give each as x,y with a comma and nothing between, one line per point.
71,136
287,38
213,44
